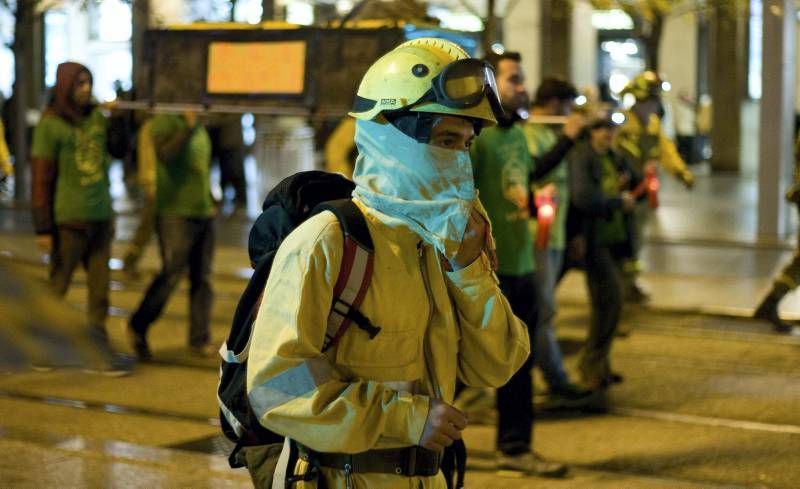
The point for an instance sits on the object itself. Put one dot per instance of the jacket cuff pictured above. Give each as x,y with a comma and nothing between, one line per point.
406,417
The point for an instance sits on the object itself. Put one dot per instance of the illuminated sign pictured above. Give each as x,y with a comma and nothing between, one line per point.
256,68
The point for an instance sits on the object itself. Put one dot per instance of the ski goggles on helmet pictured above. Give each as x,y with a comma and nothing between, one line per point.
463,84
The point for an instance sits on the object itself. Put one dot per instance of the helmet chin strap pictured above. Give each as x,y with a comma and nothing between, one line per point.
419,125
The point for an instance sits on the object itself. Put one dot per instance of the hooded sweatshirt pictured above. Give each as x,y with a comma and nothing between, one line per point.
69,160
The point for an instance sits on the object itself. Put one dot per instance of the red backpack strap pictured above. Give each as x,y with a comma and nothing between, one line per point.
355,274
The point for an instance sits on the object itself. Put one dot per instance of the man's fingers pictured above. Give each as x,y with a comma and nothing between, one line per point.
457,418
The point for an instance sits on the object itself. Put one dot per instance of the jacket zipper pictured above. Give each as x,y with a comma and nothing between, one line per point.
437,392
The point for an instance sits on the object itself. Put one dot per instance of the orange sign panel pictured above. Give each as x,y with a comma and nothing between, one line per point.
256,67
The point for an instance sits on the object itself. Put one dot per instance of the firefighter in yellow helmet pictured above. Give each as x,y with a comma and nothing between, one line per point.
642,142
378,412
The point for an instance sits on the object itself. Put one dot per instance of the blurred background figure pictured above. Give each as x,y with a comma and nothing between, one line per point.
641,141
38,329
70,195
186,233
6,170
600,186
340,148
789,277
146,177
554,97
228,150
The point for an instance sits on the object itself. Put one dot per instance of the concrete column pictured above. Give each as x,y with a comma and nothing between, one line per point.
583,46
728,77
777,115
556,20
521,27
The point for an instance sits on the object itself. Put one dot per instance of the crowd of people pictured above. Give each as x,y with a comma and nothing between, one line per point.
477,205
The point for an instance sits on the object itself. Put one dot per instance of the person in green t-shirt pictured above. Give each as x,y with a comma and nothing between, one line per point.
70,195
502,166
554,97
185,215
599,184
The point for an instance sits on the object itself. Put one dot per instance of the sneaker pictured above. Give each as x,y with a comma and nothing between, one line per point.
635,294
570,396
118,366
531,463
140,346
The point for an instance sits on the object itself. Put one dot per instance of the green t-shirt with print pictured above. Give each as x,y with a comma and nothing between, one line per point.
502,166
612,230
79,151
183,186
541,139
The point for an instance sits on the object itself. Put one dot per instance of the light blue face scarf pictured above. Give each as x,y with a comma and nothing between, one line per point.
430,189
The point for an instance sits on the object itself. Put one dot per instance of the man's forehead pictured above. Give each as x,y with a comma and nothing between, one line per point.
451,123
508,67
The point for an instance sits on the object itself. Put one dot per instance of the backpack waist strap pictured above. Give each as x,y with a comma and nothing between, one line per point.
409,461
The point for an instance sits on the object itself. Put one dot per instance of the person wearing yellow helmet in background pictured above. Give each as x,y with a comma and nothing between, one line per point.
6,169
378,413
642,143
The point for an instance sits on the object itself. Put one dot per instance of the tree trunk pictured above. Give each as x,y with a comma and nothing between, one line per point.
141,22
267,10
652,43
23,68
489,27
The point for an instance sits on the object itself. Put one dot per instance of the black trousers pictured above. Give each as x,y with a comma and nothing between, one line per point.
185,244
515,399
604,281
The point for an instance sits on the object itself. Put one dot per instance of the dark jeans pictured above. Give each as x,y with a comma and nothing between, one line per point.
515,399
87,243
184,243
604,281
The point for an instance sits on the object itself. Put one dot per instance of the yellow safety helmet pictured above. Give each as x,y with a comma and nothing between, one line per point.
644,85
428,75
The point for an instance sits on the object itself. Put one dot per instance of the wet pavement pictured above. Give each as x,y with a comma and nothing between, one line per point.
710,399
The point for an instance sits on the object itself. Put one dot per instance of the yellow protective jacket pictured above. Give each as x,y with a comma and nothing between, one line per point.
436,326
5,157
639,144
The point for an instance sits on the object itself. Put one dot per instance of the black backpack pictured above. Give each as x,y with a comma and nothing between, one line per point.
290,203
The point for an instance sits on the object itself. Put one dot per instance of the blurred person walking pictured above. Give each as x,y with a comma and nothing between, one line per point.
641,141
147,162
185,225
789,277
600,183
6,169
70,195
554,97
227,148
502,166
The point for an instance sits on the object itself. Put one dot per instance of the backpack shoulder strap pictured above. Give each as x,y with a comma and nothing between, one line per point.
354,275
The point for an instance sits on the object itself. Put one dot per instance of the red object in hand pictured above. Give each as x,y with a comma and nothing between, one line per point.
545,213
649,185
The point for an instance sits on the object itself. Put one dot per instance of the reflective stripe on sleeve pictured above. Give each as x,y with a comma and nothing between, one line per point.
291,384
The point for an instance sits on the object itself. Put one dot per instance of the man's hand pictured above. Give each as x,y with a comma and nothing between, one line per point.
190,117
443,426
45,242
687,177
574,125
628,202
472,243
